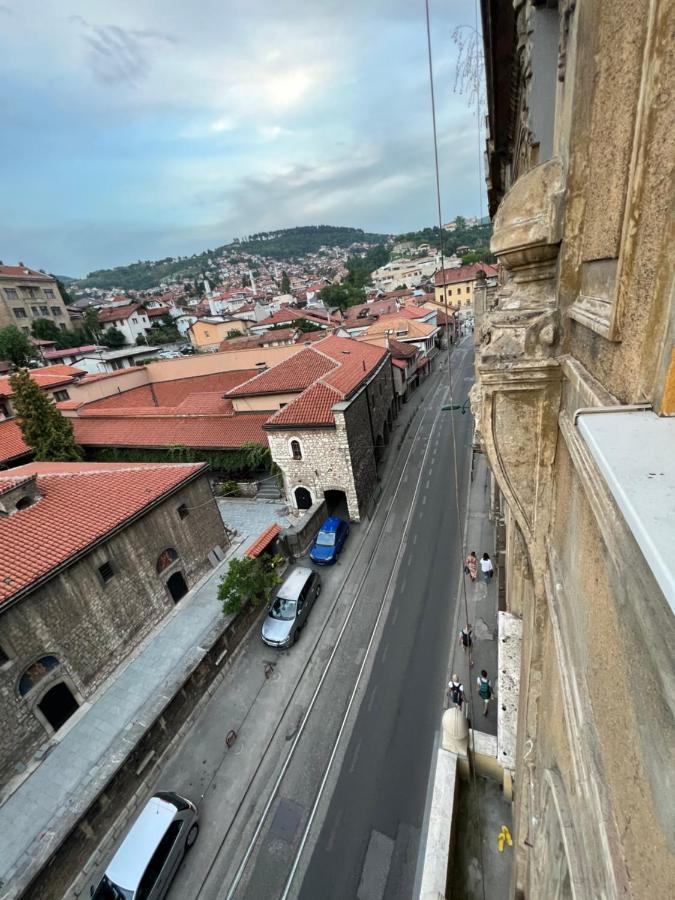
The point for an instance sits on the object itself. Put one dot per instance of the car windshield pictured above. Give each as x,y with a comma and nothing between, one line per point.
108,890
325,539
283,609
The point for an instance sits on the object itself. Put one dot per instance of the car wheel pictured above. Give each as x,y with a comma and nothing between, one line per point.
192,836
296,635
318,590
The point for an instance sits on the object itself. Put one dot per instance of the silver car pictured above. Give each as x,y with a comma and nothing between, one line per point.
290,607
148,858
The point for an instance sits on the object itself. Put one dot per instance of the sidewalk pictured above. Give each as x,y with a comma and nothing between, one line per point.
482,605
51,799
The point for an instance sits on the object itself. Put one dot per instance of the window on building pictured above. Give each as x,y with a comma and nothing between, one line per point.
30,292
44,310
296,450
116,364
134,320
56,311
165,559
106,571
49,293
59,396
183,511
459,290
468,288
63,326
35,310
19,313
11,294
26,330
36,672
450,293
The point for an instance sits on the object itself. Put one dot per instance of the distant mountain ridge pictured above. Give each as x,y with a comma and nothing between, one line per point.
284,243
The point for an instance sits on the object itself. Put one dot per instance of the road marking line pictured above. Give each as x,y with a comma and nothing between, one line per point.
424,500
372,698
415,538
385,650
428,483
395,616
355,757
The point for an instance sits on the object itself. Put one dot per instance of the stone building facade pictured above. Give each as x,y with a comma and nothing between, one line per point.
68,633
26,294
575,369
342,456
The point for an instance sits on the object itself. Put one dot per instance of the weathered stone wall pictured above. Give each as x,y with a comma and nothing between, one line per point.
91,626
342,458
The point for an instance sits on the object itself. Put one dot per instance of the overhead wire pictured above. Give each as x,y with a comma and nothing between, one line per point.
460,524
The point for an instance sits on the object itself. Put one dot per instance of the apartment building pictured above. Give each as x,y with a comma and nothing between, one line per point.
459,284
26,295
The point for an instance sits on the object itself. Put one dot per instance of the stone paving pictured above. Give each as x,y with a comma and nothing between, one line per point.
88,750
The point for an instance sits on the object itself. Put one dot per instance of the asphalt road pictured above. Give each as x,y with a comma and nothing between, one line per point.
323,793
380,792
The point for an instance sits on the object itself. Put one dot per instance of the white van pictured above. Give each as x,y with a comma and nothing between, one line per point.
148,857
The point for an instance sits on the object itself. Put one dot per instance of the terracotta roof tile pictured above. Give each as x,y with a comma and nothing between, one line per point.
48,377
293,374
117,313
20,272
80,504
263,541
312,407
198,432
357,360
173,393
464,273
12,444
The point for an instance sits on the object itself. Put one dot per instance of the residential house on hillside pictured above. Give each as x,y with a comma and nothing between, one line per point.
26,294
458,285
119,546
406,330
53,380
330,412
129,318
207,334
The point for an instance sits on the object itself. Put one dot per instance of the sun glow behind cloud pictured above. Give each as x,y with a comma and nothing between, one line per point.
149,128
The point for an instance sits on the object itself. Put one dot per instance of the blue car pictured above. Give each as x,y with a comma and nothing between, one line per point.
329,541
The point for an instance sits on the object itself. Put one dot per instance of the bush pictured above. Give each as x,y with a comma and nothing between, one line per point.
248,581
227,489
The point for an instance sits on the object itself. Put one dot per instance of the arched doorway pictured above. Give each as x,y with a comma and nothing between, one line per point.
336,504
177,586
303,498
379,449
58,705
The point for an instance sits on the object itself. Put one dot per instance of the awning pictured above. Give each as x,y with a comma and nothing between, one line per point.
635,451
262,542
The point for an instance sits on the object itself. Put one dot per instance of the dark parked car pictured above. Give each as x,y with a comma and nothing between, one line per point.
329,541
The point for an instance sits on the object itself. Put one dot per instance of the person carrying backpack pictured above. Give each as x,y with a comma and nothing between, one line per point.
484,689
466,639
456,691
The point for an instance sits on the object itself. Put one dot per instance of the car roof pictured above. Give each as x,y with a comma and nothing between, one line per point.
131,860
294,583
331,524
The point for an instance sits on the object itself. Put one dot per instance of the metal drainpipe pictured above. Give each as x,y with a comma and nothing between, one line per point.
599,410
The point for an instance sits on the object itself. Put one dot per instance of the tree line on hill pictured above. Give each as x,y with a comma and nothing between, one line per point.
476,237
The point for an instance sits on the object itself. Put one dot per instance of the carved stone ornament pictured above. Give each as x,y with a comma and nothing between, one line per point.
519,374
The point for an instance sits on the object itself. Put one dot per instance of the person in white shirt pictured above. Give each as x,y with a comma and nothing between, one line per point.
486,568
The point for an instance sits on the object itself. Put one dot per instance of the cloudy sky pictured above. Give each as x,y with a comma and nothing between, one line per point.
147,128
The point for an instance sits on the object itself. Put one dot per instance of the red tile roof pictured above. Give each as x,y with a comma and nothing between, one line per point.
263,541
11,441
80,505
71,351
293,374
168,430
464,273
20,272
157,311
400,363
48,377
357,360
278,318
116,313
400,350
312,407
172,393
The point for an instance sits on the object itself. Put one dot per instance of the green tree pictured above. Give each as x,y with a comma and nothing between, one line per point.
15,346
305,325
285,283
62,290
46,330
43,427
342,295
113,338
91,323
248,581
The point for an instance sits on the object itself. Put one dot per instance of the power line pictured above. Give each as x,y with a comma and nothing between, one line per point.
460,523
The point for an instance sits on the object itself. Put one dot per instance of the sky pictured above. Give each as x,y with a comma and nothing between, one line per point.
149,128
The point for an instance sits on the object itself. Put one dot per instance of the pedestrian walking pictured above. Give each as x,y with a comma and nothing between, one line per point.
484,689
466,639
456,691
486,567
471,565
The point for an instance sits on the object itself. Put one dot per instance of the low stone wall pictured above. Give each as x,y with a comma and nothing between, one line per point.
298,538
130,784
247,488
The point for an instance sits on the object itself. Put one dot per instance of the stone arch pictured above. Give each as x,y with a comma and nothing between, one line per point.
295,449
166,558
36,672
